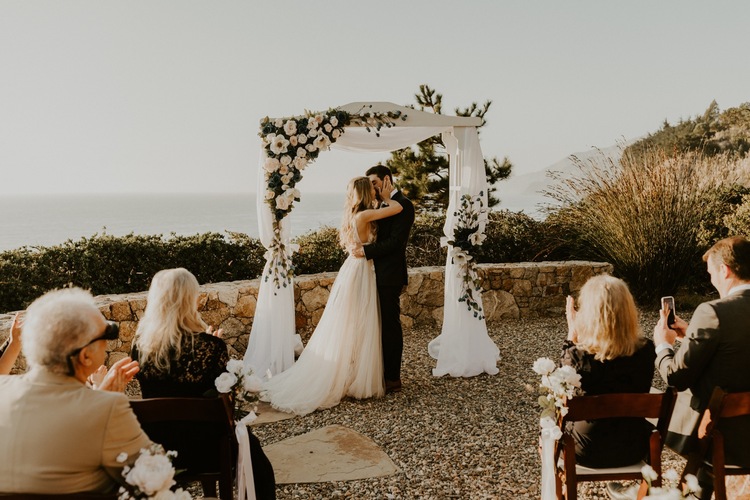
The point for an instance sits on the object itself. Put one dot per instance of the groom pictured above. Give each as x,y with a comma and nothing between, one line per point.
389,254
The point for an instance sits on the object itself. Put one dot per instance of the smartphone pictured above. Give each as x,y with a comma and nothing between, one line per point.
669,302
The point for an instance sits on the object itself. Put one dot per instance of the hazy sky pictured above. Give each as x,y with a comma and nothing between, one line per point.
165,96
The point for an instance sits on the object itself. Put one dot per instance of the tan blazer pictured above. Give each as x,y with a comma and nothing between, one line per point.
58,436
714,352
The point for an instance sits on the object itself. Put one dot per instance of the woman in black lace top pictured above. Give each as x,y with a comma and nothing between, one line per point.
606,347
180,356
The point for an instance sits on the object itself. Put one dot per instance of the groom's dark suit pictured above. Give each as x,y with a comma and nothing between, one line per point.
389,254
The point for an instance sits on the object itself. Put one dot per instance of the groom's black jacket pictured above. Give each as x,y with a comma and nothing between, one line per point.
389,249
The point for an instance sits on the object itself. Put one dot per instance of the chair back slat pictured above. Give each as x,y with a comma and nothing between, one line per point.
152,410
735,404
615,405
621,405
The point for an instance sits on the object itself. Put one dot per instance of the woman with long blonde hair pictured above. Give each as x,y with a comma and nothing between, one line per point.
607,348
180,356
344,354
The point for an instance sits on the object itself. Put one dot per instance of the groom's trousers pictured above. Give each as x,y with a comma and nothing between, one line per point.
392,336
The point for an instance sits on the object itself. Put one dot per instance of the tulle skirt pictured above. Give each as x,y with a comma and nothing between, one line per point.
344,354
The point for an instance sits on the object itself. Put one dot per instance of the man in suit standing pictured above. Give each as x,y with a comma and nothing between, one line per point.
56,434
389,254
714,351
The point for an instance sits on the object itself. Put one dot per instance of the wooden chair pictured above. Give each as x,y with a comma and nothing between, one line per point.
654,405
710,450
162,417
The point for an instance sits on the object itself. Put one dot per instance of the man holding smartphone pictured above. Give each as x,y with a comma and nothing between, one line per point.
714,351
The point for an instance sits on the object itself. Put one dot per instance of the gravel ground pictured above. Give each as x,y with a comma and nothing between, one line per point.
451,437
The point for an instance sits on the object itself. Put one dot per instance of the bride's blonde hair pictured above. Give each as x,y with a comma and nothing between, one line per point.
358,198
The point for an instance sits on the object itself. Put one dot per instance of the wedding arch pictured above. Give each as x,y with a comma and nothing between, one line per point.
289,145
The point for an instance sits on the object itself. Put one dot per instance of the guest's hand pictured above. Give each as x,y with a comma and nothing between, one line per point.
570,316
216,333
662,333
679,326
95,379
119,375
15,329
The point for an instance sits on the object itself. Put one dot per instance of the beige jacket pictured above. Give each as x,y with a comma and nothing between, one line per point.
58,436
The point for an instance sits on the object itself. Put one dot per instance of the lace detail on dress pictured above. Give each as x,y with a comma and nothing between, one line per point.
203,358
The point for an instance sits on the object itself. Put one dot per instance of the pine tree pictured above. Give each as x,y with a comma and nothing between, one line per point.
423,173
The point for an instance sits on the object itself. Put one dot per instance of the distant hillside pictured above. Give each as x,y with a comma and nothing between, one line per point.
525,191
714,132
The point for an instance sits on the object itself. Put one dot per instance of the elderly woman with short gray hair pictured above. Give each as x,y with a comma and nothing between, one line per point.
56,434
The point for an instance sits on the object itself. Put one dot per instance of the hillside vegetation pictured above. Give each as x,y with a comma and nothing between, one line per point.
713,133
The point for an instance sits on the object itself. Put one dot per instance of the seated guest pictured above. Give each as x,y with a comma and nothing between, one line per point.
11,348
606,347
713,352
181,357
57,435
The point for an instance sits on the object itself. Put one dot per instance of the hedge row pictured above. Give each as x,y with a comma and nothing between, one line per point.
108,264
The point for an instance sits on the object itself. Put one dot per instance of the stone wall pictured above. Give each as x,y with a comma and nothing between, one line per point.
511,291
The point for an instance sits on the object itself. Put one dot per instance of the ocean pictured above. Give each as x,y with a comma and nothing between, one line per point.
45,220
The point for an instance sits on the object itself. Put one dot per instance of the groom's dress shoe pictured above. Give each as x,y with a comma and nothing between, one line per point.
392,386
618,491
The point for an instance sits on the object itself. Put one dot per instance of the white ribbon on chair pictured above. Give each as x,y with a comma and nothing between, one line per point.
245,479
550,433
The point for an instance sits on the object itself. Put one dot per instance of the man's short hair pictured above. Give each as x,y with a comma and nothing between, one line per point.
734,252
56,324
381,171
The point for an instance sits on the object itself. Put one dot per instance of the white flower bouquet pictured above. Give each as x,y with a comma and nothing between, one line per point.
557,385
243,384
151,476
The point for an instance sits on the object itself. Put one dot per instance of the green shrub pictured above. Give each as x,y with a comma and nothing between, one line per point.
319,251
511,237
424,241
643,216
119,264
738,221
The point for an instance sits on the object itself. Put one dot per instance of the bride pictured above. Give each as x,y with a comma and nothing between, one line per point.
344,354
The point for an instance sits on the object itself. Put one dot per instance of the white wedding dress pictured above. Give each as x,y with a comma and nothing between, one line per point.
344,354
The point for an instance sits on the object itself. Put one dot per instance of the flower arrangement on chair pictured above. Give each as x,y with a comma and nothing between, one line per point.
558,384
151,476
244,386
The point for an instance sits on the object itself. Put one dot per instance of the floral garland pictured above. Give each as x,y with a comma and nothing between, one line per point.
151,476
291,144
466,238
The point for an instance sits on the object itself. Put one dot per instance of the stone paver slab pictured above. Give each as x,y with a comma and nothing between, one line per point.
333,453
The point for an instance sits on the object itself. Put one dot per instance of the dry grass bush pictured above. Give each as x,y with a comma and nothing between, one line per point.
644,216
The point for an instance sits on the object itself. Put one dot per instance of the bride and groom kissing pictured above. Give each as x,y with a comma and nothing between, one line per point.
356,348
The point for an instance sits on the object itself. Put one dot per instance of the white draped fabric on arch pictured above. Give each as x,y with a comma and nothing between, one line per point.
463,348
